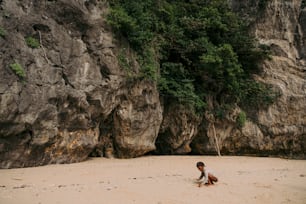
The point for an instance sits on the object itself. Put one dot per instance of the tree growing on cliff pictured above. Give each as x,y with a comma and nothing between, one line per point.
198,48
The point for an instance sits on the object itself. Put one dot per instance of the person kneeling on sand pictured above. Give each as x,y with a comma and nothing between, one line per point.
206,178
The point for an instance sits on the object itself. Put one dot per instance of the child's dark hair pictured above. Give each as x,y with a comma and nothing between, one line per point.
200,164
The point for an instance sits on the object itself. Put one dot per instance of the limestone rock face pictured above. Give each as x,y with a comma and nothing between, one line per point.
280,129
231,140
75,100
302,36
74,95
284,122
137,120
177,131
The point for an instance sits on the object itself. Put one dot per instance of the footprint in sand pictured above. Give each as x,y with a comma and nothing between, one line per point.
22,186
262,185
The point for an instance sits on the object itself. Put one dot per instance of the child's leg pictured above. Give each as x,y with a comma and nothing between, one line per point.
212,178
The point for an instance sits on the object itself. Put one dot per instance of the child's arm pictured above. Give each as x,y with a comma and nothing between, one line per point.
201,176
200,179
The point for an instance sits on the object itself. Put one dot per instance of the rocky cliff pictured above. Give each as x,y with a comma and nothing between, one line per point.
280,128
75,98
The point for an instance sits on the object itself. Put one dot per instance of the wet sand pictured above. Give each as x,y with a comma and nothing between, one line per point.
157,180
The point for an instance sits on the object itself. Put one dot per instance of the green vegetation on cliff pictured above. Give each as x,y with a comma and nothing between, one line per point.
18,70
241,119
32,42
193,49
2,32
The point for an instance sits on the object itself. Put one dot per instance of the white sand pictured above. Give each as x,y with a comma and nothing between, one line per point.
158,180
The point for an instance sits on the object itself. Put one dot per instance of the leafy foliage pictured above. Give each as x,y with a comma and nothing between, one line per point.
198,47
241,119
126,64
2,32
18,70
123,60
175,85
32,42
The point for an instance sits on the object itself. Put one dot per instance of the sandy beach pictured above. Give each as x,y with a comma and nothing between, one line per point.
158,180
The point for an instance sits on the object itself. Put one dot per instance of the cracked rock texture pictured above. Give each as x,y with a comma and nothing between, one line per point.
280,129
75,99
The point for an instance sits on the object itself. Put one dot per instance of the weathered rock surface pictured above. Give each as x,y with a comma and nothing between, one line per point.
76,100
177,130
75,97
280,129
137,121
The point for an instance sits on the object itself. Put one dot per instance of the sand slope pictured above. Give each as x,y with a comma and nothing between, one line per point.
158,180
